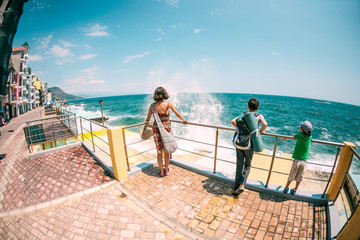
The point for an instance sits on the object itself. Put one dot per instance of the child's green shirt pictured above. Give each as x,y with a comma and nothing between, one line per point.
302,147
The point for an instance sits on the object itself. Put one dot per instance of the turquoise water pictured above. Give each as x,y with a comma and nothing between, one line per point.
332,121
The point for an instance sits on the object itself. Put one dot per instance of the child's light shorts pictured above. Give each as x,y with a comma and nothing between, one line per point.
297,170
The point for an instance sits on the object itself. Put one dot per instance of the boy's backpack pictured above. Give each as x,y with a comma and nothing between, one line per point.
242,136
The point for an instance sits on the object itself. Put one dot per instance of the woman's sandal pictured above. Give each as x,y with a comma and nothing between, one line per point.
169,171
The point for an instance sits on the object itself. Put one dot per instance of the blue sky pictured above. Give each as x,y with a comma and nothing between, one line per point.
307,48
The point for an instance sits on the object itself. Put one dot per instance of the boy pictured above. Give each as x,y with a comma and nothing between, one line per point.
300,155
245,156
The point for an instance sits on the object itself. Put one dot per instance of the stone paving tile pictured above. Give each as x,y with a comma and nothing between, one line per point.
207,206
51,176
103,215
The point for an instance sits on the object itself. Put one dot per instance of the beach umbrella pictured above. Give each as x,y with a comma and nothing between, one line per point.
47,103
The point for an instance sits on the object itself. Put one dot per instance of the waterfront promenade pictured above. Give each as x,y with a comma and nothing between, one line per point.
67,195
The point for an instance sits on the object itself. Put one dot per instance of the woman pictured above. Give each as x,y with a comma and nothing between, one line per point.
163,109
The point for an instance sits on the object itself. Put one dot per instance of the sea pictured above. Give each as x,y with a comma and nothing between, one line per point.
332,121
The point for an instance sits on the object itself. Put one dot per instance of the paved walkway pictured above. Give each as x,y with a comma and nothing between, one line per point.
66,195
208,207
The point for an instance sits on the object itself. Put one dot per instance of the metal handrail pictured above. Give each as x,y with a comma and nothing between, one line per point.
135,125
257,153
265,134
355,153
94,122
141,152
47,118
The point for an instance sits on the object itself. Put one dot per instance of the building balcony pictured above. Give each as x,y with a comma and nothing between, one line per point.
13,99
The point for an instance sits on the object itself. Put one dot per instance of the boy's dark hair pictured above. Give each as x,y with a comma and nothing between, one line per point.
253,104
160,94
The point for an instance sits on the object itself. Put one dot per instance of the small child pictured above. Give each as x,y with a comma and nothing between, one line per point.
300,155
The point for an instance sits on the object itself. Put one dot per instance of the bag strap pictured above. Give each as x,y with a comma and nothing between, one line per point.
156,116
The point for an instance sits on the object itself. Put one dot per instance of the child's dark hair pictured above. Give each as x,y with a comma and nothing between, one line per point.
253,104
160,94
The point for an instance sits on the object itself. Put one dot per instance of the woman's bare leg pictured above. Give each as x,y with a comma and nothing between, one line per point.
167,162
160,162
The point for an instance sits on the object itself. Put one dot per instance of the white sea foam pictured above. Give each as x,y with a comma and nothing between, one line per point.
272,129
357,143
325,134
80,111
320,158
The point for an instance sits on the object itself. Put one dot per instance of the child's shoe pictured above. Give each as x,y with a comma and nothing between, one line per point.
292,192
285,190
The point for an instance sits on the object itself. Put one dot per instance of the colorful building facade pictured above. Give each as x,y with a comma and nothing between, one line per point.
24,91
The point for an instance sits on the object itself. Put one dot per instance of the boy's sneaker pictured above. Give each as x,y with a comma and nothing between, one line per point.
285,190
239,190
292,191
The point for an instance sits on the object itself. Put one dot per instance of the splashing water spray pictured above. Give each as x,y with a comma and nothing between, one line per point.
197,106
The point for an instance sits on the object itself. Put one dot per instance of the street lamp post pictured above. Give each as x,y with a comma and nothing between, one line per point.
102,115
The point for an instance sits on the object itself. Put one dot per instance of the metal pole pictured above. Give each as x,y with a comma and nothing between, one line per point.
77,131
92,137
216,147
125,149
102,115
82,133
272,163
54,134
332,172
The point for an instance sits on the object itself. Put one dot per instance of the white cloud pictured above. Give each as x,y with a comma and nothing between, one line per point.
158,39
39,5
87,56
83,80
132,84
91,70
96,30
204,60
86,46
172,3
44,42
60,52
197,30
67,44
38,73
62,55
35,57
161,31
96,82
128,59
275,53
179,25
76,81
